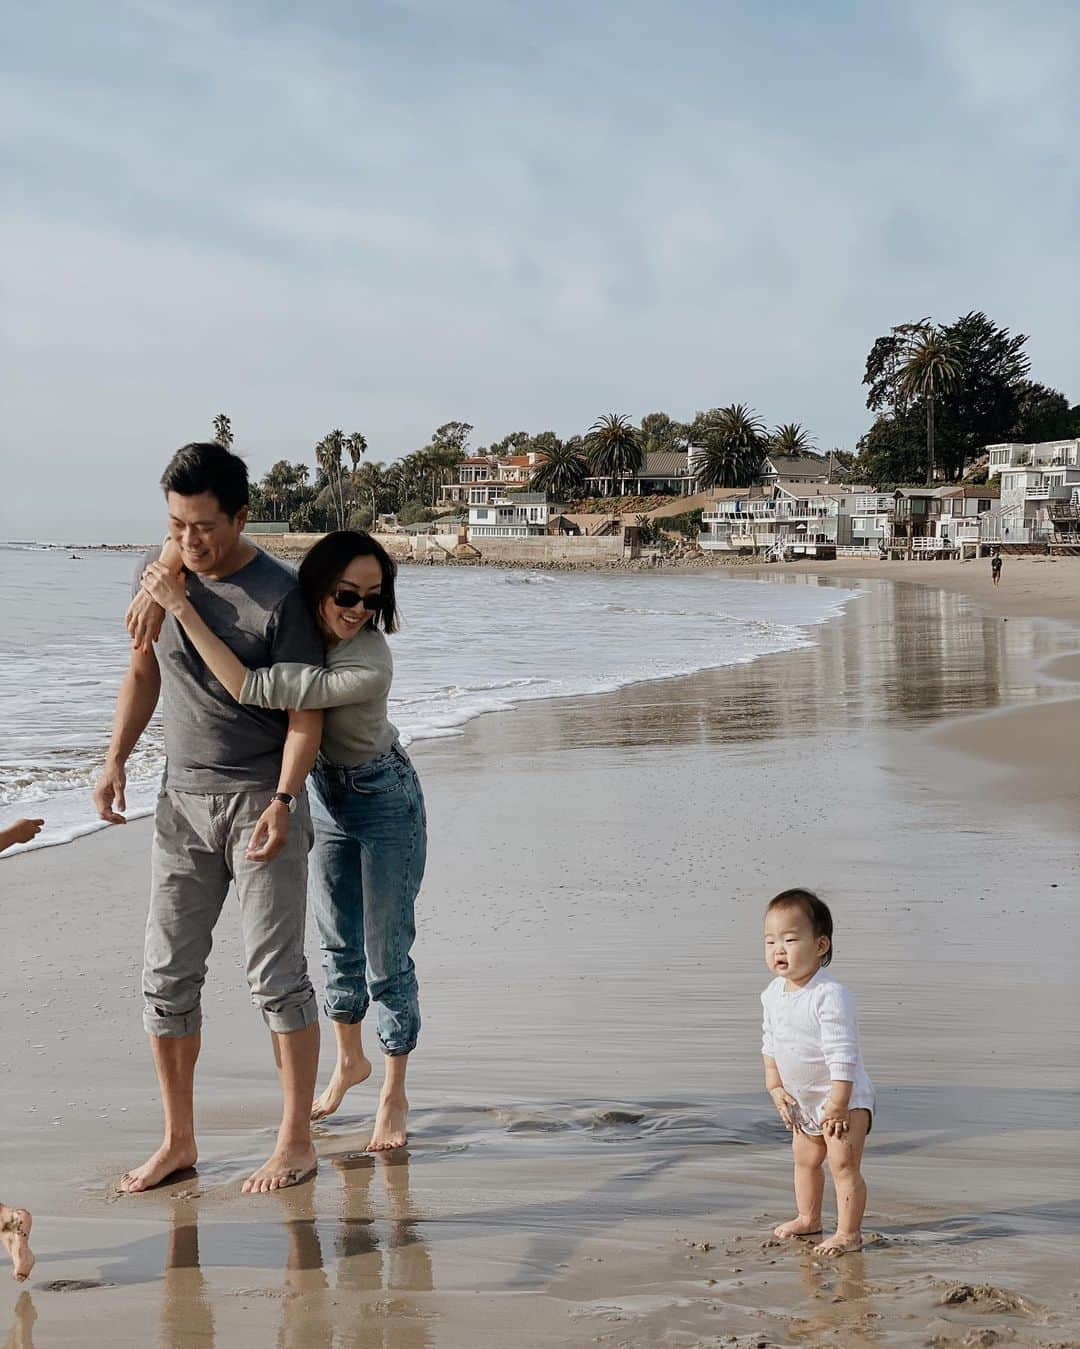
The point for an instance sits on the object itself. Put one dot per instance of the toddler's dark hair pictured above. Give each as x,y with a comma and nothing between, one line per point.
815,909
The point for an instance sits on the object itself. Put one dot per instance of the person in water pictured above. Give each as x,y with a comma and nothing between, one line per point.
366,804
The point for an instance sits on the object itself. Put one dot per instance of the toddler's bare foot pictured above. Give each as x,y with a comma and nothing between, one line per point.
288,1166
390,1131
160,1166
798,1227
840,1243
15,1225
347,1073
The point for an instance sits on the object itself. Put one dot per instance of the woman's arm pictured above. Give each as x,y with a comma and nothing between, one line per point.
291,684
144,615
166,588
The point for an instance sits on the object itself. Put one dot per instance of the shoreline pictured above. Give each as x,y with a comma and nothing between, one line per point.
592,1152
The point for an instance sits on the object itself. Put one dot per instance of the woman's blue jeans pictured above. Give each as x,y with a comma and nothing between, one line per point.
366,868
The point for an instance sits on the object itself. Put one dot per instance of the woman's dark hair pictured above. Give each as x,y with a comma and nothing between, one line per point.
204,466
323,564
815,909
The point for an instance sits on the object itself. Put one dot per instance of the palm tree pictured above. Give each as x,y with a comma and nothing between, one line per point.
355,446
372,481
223,430
791,438
563,472
730,446
328,456
614,448
931,368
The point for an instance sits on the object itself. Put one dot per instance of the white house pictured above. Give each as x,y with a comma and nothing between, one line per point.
1039,483
801,519
787,468
517,515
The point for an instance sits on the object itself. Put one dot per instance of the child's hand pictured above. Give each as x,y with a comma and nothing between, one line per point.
835,1120
787,1108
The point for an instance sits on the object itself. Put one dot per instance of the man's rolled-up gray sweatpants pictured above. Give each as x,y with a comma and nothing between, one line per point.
199,844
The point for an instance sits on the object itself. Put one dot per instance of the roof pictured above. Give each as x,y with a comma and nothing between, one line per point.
798,463
664,464
967,489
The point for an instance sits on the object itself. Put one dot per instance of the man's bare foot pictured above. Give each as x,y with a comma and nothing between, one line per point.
169,1157
798,1227
15,1225
288,1166
347,1073
840,1243
390,1118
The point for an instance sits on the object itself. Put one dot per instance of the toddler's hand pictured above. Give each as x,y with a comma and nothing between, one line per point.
787,1108
835,1121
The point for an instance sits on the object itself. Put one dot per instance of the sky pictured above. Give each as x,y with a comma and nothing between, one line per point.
382,217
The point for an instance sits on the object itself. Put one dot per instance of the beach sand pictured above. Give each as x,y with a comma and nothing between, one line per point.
594,1160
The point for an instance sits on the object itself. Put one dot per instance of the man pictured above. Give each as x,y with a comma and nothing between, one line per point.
232,809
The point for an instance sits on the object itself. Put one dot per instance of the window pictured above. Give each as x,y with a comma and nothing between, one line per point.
482,514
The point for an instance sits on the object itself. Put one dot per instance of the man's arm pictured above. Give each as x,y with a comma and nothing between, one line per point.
135,705
297,760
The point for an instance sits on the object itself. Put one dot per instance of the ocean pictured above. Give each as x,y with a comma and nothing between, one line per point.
473,641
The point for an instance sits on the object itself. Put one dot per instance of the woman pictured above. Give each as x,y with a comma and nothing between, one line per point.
366,805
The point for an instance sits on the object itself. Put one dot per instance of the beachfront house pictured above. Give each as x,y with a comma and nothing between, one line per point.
1040,490
663,473
475,483
865,520
513,515
793,468
785,520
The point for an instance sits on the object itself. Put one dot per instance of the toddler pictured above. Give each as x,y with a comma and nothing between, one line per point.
813,1068
15,1223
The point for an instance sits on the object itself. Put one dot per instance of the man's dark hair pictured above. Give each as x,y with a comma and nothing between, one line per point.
204,466
815,909
323,564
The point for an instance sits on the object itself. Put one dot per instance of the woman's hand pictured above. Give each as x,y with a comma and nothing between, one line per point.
143,621
787,1108
164,587
835,1120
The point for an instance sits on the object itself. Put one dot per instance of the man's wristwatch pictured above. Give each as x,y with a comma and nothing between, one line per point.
286,800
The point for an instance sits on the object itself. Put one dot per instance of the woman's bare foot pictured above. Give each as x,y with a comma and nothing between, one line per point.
15,1225
840,1243
288,1166
798,1227
160,1166
390,1119
347,1073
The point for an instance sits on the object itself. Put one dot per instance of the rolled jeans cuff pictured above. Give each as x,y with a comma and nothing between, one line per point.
171,1025
296,1016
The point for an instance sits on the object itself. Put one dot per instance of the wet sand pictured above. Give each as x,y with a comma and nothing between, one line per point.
594,1160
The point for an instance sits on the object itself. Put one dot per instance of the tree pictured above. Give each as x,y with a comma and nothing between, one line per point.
730,446
223,430
659,433
562,473
980,406
1044,414
328,454
930,369
614,449
893,450
791,439
510,444
355,447
452,436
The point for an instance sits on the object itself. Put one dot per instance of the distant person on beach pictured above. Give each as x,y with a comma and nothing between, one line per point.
15,1223
813,1068
995,568
232,809
366,803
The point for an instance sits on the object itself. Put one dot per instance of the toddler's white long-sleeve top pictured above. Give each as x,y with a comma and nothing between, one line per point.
812,1036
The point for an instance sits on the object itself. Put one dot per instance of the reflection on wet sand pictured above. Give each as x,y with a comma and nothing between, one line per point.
21,1334
901,655
370,1256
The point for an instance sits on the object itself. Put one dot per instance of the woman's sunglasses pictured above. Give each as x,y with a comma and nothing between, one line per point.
349,599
